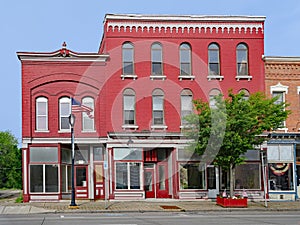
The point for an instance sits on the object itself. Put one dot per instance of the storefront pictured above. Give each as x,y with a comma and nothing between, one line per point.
281,170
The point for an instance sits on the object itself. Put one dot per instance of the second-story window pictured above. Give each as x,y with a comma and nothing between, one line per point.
185,59
41,114
88,118
186,105
156,59
129,107
127,57
213,59
242,59
64,113
212,98
158,107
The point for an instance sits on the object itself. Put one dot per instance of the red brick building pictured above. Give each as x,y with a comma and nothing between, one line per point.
282,79
139,86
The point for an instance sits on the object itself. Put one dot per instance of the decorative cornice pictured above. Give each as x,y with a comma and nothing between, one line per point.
164,23
62,54
165,26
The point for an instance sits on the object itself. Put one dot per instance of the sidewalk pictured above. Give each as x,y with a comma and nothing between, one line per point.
8,206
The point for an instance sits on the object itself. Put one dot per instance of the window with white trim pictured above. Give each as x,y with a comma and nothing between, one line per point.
158,107
156,59
43,170
88,119
185,59
242,59
64,113
128,168
41,114
128,107
212,98
186,105
213,59
128,58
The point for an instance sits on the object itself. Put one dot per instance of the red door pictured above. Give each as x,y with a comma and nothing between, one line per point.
156,183
81,181
149,182
162,183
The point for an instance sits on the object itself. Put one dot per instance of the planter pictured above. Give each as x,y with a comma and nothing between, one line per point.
232,202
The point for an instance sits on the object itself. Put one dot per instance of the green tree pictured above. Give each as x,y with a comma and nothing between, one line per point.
223,133
10,161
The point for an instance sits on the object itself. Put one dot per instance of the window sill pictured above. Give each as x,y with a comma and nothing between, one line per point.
41,131
186,77
285,129
158,77
64,131
243,77
88,131
215,77
159,127
129,76
130,127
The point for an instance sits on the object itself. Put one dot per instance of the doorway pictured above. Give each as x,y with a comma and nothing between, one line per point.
156,183
81,181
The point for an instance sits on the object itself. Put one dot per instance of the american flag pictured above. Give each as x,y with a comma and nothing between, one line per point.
78,107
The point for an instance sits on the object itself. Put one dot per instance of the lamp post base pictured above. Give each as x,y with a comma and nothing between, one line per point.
73,207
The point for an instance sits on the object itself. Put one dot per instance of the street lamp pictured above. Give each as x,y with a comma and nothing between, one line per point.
72,123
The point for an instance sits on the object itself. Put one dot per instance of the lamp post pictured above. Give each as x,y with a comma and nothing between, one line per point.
72,123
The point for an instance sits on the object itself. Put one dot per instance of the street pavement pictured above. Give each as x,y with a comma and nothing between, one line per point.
9,206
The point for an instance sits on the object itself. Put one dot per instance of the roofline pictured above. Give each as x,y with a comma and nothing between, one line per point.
54,56
154,17
281,58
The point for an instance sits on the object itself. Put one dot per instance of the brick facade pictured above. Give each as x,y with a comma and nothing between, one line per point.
65,73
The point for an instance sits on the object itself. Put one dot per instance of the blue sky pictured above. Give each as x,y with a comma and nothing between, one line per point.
43,25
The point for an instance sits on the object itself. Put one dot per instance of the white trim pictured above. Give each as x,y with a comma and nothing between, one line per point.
25,171
27,141
125,127
240,77
181,77
158,77
44,197
129,76
279,88
184,17
298,90
159,127
216,77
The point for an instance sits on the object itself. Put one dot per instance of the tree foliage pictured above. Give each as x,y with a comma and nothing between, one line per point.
10,161
225,132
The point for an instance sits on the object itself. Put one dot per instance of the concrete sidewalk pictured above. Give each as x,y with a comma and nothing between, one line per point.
167,205
8,205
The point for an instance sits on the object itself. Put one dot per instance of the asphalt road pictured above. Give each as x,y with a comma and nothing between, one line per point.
226,218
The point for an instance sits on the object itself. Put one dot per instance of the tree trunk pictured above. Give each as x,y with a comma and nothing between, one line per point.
232,178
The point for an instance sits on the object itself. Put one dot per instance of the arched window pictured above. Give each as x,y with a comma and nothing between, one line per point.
185,59
213,59
246,93
88,118
186,104
41,107
242,59
158,107
64,113
128,107
128,58
212,97
156,59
